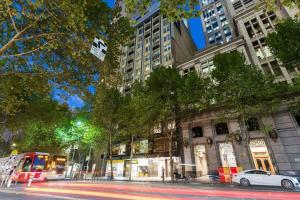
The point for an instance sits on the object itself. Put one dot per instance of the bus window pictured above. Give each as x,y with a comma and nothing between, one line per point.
39,163
27,165
19,166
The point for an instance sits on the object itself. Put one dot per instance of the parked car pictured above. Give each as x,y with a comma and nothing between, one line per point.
260,177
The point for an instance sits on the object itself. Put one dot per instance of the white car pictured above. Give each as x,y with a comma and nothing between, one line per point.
260,177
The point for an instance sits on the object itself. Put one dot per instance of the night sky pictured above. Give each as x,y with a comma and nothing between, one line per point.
197,35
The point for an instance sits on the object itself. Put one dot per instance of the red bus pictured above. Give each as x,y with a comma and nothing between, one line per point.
38,166
31,165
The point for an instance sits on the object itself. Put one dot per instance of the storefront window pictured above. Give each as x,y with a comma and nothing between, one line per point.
227,155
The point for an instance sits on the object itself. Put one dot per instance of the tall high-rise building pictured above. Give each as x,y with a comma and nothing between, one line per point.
216,22
156,42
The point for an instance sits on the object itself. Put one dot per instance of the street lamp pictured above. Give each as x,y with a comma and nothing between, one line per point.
79,123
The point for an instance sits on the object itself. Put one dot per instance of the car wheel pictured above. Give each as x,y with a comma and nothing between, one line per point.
287,184
244,182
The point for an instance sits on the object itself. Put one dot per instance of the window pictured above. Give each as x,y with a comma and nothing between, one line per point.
260,172
214,24
266,68
249,30
167,29
297,118
209,29
252,124
276,68
167,57
211,39
167,38
141,31
27,165
221,128
39,163
219,8
197,132
218,36
167,48
222,18
147,58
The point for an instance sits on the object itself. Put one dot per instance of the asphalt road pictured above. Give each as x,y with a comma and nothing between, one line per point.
71,190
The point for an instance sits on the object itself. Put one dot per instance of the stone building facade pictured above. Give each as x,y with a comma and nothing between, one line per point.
206,148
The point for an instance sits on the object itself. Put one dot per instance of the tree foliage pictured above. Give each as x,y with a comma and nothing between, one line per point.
284,43
45,43
172,9
108,101
242,89
38,124
289,3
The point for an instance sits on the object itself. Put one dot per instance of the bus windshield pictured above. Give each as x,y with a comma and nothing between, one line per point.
39,163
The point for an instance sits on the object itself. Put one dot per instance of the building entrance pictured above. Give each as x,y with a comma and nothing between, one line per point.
260,155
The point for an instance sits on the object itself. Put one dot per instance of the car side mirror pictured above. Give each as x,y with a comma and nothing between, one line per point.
269,173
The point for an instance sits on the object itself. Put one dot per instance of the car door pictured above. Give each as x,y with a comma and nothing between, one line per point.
251,176
261,178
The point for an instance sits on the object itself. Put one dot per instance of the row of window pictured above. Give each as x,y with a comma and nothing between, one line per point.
222,128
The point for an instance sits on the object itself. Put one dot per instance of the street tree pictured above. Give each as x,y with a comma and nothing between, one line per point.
243,90
133,117
287,34
174,98
106,108
172,9
289,3
38,123
45,44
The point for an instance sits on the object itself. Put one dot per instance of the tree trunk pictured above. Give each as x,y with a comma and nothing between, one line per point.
88,163
110,157
171,155
244,131
131,156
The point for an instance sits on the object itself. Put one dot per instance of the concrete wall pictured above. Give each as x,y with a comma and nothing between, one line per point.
183,47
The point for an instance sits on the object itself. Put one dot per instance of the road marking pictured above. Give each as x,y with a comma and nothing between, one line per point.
97,194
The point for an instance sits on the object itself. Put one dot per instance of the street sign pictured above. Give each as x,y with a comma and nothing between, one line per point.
99,48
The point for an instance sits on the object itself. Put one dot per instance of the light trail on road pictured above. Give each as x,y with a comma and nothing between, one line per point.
146,191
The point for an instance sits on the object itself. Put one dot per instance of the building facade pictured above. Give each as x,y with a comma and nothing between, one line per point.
206,147
156,42
254,22
216,22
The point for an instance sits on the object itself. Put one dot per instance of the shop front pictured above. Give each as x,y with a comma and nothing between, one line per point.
150,167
